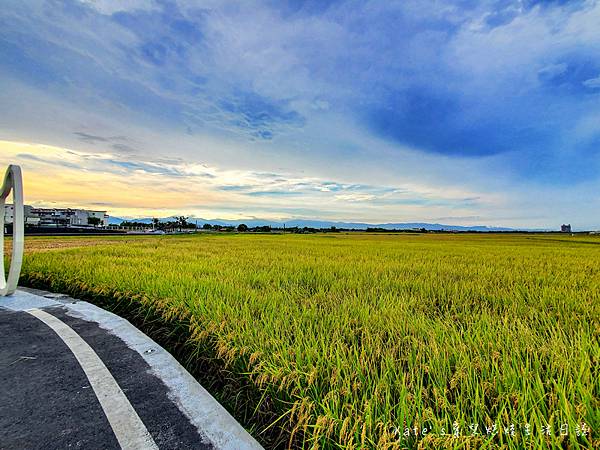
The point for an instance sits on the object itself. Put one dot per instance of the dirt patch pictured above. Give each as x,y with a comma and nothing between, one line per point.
45,244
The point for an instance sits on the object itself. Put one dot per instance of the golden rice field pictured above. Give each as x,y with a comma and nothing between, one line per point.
361,340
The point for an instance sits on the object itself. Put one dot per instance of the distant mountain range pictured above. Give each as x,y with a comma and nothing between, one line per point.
325,224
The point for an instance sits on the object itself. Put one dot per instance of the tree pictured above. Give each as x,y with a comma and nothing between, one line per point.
182,222
207,226
95,221
155,223
242,227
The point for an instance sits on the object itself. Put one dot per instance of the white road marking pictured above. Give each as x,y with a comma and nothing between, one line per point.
124,420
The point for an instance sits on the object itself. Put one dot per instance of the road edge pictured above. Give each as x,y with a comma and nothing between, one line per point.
211,419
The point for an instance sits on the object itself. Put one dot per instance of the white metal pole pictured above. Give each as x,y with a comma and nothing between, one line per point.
12,181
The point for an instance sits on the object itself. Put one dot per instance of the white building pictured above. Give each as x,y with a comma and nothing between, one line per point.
59,217
100,215
30,219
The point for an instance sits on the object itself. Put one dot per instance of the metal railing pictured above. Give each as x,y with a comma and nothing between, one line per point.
12,181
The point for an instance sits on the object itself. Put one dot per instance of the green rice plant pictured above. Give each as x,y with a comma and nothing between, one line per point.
365,340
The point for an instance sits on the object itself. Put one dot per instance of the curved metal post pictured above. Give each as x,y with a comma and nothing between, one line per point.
12,181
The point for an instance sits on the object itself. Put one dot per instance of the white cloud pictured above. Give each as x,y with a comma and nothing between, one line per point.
520,49
592,83
553,70
355,197
112,6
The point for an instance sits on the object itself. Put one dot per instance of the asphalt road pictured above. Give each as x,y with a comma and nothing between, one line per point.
47,402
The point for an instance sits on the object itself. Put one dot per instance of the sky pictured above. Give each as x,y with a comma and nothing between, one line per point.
458,112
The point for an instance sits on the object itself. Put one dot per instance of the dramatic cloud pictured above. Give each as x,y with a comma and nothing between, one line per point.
54,175
484,100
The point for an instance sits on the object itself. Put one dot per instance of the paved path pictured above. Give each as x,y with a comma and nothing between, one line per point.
75,376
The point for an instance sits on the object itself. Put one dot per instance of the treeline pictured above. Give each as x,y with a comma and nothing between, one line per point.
180,223
243,228
392,230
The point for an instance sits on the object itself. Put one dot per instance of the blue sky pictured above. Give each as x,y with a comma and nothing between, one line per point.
467,112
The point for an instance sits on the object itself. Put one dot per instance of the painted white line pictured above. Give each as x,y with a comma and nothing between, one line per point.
209,417
124,420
